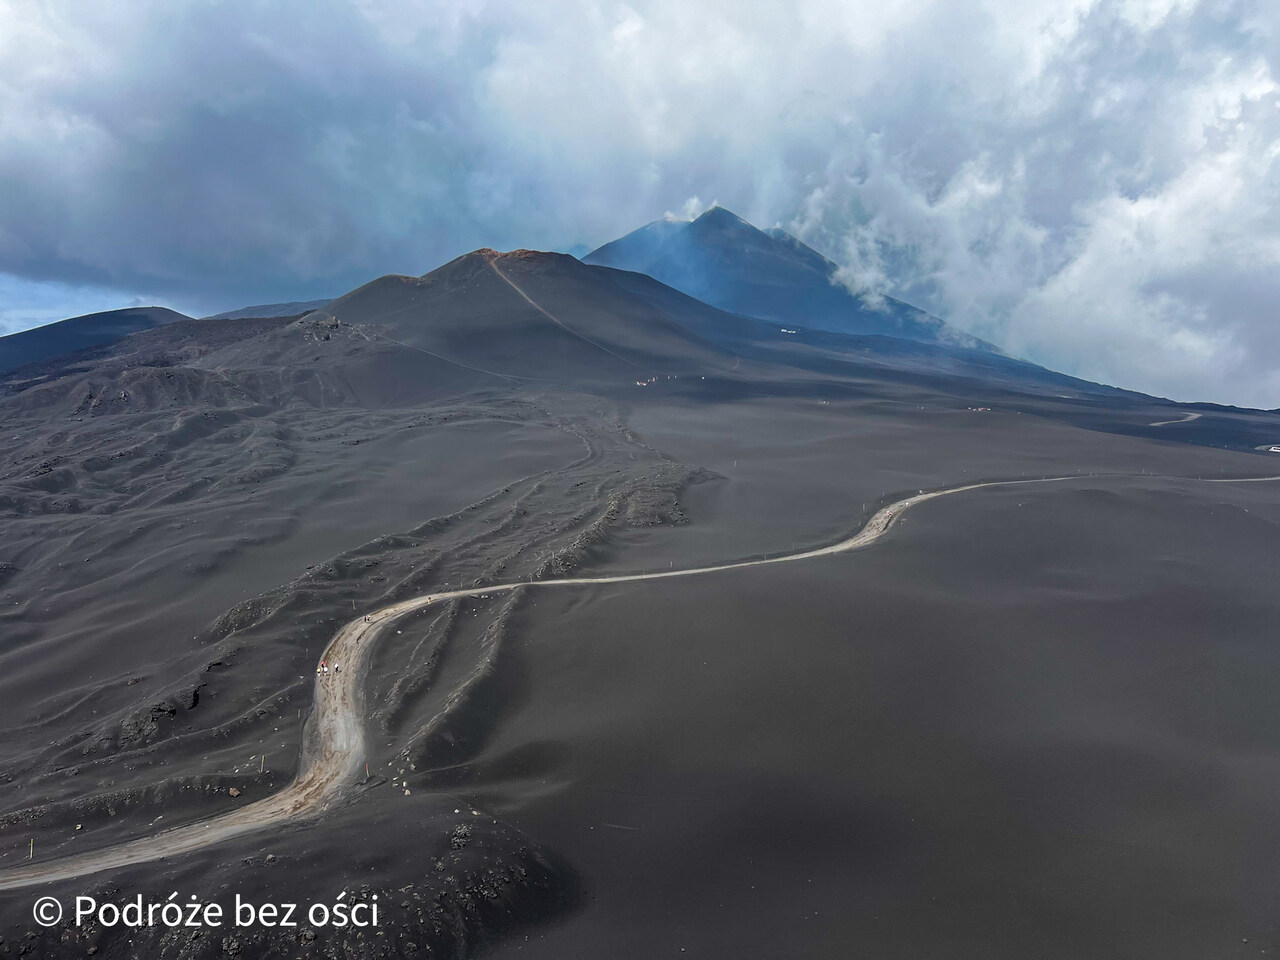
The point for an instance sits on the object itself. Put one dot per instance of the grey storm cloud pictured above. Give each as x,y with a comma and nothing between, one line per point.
1093,184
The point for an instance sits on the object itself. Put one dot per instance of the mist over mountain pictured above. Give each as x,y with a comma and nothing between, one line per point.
1091,185
723,260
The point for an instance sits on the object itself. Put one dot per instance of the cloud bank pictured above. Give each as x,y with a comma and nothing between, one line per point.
1093,184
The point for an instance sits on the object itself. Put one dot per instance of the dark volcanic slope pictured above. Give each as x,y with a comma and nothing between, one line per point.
80,333
529,316
725,261
1029,722
186,513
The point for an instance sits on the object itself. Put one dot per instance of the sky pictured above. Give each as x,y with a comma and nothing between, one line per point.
1091,184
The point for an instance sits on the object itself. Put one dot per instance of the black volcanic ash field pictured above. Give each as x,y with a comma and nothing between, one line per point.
1029,722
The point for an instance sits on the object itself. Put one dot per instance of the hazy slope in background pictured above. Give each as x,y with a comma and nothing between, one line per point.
80,333
267,310
810,348
725,261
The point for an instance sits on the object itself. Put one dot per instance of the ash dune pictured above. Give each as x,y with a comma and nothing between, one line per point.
888,750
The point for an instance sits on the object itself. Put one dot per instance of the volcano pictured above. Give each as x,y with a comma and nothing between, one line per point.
725,261
527,315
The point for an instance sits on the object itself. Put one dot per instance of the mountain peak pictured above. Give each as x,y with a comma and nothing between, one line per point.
725,261
723,218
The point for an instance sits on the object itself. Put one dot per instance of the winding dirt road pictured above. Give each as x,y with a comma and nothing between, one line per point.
333,749
1185,418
